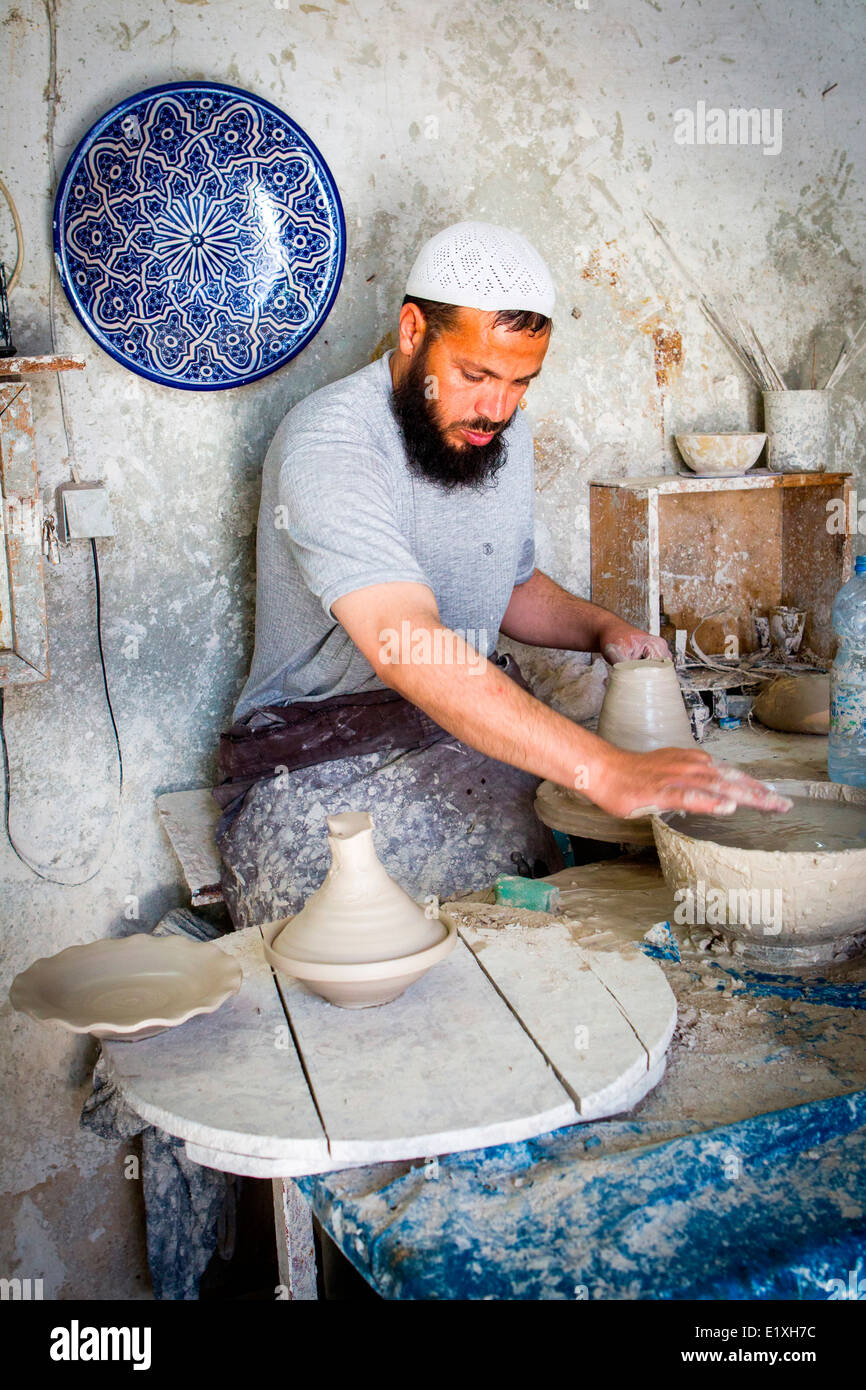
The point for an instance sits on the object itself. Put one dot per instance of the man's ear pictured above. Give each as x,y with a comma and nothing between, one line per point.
412,329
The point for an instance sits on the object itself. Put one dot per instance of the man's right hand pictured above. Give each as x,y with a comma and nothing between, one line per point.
674,779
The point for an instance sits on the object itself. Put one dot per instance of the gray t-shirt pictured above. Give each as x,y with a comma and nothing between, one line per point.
341,509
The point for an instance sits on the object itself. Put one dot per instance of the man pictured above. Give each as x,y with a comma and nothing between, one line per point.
394,545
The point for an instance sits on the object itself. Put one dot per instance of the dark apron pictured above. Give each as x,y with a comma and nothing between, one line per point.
281,738
447,819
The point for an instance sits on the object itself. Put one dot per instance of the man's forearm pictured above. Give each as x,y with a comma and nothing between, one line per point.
398,629
480,705
543,614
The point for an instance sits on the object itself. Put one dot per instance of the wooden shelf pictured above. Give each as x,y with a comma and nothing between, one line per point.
689,546
667,483
27,366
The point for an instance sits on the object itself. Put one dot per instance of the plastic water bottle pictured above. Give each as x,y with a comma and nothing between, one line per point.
846,758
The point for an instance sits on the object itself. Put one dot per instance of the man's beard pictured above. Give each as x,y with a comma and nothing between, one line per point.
428,451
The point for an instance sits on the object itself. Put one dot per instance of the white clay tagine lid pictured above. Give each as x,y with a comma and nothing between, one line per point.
359,914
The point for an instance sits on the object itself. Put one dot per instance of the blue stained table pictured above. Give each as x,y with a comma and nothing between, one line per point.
742,1176
564,1217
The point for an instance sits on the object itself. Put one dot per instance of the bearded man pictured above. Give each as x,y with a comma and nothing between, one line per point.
395,544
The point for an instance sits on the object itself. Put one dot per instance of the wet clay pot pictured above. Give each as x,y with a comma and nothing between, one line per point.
643,708
360,939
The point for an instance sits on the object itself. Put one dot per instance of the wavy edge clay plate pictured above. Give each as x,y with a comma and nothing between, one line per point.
69,988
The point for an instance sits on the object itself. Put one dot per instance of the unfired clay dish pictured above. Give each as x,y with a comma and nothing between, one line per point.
720,455
361,985
360,939
823,893
127,988
795,704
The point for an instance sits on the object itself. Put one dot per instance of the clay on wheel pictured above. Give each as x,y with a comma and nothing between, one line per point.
643,708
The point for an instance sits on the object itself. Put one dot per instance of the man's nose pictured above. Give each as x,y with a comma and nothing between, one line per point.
492,403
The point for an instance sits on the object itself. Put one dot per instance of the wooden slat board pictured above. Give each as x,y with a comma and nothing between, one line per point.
190,819
604,1020
759,479
817,561
24,652
444,1068
520,1031
642,993
619,553
230,1080
23,365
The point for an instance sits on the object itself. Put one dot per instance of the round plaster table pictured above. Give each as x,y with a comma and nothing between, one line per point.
521,1031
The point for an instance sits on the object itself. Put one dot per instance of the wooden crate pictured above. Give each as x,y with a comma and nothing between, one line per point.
689,546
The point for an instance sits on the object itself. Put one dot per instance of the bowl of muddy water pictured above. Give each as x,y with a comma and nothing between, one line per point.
784,889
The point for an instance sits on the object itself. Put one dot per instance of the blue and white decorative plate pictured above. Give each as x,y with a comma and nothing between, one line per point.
199,235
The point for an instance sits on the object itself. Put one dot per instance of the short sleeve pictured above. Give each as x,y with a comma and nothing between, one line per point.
526,563
526,556
338,511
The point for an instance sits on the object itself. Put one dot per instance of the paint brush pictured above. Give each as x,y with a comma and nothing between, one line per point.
848,354
736,337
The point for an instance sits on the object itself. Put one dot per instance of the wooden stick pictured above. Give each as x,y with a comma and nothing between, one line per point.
846,356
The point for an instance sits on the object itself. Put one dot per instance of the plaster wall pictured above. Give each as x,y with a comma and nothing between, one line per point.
554,117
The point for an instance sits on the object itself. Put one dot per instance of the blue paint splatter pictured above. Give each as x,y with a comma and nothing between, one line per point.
818,990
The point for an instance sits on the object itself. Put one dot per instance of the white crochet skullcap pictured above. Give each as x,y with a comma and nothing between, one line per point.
481,266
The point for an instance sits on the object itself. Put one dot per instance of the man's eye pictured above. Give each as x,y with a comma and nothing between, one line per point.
468,377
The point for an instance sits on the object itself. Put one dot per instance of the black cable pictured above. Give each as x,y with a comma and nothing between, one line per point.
95,555
7,798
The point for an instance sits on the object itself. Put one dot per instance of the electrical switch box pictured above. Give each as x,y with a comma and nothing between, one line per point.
83,511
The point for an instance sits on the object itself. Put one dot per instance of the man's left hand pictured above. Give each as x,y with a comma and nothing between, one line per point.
622,642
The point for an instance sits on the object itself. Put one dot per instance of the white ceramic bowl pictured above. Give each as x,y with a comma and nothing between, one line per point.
720,455
362,985
822,891
128,987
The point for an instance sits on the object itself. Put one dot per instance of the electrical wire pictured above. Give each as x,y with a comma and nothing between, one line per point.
19,236
98,587
41,870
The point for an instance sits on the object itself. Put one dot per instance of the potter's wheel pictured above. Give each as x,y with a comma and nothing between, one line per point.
643,709
572,813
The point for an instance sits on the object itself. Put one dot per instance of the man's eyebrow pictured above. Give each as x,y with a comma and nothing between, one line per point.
485,371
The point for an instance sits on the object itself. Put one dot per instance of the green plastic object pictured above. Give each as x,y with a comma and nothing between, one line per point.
531,893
